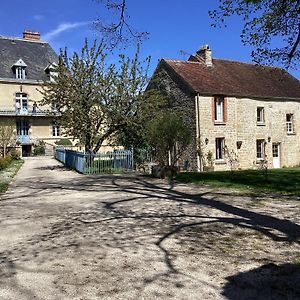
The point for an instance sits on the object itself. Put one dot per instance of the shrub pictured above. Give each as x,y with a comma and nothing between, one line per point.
64,142
15,154
39,149
5,161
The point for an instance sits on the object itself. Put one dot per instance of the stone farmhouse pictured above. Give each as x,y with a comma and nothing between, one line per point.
25,63
238,112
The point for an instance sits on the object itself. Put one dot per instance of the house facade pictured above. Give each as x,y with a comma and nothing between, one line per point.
25,63
241,115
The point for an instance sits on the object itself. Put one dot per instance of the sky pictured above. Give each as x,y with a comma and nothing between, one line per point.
174,25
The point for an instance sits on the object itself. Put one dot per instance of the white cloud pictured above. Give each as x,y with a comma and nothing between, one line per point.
61,28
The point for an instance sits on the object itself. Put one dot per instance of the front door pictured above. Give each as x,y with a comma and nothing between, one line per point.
276,155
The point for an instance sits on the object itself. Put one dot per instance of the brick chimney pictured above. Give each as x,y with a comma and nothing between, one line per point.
204,55
31,35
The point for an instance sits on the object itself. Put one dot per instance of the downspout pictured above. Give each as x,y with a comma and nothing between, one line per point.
197,106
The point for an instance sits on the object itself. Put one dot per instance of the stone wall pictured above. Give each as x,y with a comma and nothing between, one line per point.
242,126
183,102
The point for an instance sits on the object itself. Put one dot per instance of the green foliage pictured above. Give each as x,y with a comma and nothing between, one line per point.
4,162
39,148
64,142
96,99
167,133
267,24
279,180
8,172
15,154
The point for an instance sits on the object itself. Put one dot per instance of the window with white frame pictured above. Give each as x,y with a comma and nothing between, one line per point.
220,147
260,149
19,68
21,102
20,73
219,109
289,123
55,129
260,115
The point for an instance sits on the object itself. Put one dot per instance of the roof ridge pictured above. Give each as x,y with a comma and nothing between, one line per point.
229,60
22,40
249,63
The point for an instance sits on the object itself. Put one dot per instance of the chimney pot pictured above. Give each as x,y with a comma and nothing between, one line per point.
31,35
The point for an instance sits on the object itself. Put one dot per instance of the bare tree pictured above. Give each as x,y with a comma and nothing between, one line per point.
119,31
7,135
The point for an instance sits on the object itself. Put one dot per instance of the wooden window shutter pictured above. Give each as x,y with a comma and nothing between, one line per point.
225,110
213,107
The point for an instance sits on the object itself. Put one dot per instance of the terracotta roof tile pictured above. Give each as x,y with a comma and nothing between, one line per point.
234,78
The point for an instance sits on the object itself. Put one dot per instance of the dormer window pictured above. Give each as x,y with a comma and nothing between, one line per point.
19,68
51,71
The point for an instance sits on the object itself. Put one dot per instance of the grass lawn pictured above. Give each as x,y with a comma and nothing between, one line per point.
286,180
7,174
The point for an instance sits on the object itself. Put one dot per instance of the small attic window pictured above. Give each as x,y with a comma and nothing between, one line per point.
51,71
19,68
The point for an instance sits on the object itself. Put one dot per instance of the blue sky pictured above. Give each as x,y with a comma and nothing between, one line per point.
173,25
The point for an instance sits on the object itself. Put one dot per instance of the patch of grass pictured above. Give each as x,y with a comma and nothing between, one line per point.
285,181
297,261
8,173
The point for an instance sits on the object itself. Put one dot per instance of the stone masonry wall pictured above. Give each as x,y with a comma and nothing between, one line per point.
242,126
183,102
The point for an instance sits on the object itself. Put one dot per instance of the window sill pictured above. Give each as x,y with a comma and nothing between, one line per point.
220,123
291,133
260,123
220,162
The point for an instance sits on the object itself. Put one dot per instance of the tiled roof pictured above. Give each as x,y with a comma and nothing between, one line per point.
37,55
234,78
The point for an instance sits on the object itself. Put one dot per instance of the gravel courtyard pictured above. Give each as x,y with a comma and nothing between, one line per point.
68,236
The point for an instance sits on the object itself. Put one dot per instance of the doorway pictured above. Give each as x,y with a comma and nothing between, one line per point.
276,155
26,150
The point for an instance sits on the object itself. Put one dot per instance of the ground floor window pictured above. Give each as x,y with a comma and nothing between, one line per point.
220,145
260,149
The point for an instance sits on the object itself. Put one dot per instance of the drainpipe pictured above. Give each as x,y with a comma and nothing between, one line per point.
197,106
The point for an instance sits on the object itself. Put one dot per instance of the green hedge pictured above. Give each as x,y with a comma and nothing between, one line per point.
5,161
64,142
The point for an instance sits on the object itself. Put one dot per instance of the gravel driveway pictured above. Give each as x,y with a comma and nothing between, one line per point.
68,236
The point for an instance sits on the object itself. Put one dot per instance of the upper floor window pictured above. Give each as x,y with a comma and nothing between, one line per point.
260,115
289,123
19,68
21,102
219,109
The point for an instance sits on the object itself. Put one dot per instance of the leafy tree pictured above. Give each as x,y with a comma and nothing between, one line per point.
7,135
267,23
168,134
97,100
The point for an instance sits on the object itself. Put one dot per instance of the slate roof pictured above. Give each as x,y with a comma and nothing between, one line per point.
234,78
37,55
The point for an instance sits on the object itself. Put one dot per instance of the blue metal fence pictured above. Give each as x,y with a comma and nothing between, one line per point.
87,163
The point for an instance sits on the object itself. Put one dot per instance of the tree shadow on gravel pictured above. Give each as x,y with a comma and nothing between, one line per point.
128,213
